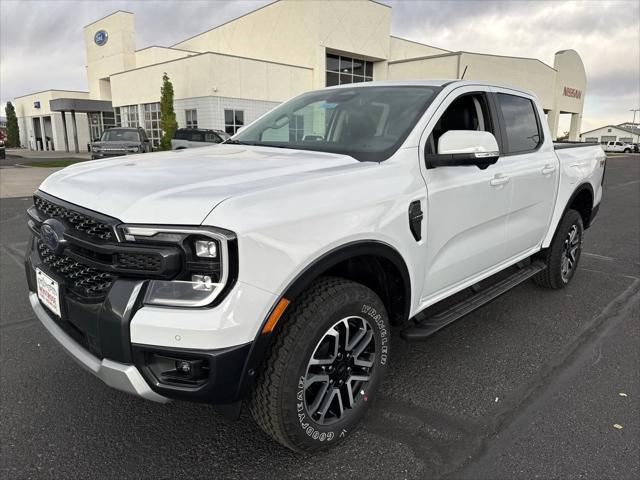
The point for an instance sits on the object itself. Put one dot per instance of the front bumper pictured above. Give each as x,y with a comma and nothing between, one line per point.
99,155
127,345
120,376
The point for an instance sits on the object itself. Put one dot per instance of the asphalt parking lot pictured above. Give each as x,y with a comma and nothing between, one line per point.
527,387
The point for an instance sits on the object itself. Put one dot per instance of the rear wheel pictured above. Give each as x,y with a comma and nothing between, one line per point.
563,254
324,366
627,150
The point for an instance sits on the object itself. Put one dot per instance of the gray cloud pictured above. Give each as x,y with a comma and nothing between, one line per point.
41,44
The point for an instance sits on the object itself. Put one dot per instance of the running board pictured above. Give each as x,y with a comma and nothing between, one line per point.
430,325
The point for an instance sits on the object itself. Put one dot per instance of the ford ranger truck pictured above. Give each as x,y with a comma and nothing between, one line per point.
268,270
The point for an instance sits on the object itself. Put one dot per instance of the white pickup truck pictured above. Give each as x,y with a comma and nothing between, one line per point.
270,268
618,147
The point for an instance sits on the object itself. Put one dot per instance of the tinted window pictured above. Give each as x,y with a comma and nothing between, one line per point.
115,135
521,123
467,112
180,135
196,136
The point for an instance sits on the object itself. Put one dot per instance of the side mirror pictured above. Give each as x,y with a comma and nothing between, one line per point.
240,129
463,148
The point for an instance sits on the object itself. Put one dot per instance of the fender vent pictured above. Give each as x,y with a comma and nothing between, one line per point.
415,219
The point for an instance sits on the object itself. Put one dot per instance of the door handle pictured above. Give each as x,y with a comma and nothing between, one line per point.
498,180
548,169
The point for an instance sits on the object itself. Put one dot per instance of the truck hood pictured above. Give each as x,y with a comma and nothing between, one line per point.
182,187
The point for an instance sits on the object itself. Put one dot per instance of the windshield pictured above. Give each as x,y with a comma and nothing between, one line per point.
367,123
120,136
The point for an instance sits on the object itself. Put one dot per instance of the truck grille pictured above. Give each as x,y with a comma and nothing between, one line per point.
76,220
138,261
82,279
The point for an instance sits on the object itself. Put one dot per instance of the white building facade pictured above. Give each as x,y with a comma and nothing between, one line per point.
229,75
625,133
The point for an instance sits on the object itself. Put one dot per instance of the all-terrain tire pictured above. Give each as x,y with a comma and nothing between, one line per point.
279,402
554,257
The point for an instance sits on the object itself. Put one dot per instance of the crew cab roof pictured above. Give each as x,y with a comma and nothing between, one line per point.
431,83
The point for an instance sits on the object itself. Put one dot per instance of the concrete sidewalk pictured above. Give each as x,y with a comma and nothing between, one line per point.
22,182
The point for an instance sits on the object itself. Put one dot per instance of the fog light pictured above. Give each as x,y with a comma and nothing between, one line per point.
184,367
206,248
202,282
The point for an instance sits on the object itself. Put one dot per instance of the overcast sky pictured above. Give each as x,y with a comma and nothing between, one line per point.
41,43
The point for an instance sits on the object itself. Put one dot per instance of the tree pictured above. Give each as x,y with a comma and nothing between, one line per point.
168,122
13,132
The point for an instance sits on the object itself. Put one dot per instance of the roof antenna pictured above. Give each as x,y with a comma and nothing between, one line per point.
465,71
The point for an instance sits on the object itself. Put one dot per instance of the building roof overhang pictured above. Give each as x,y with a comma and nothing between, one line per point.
83,105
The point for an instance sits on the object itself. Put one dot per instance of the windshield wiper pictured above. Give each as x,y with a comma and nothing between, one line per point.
256,144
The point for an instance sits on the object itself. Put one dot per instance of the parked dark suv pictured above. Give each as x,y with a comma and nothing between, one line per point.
120,141
196,137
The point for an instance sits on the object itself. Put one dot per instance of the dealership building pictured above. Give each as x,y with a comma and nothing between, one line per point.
227,76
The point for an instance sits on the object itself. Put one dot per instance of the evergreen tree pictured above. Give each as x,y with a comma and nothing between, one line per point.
13,132
168,122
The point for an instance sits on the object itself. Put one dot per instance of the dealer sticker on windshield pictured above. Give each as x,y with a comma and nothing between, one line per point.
48,292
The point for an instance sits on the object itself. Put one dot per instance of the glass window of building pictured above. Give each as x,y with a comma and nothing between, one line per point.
296,128
152,122
233,120
192,118
341,70
108,120
126,116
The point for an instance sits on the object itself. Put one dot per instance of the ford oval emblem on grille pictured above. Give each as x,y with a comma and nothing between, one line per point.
52,232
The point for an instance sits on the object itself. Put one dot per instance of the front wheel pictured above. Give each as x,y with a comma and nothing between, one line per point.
563,254
324,367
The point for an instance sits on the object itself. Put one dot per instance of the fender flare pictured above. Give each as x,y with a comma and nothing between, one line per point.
313,270
578,190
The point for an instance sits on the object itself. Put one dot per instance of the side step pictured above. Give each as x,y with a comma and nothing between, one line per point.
431,324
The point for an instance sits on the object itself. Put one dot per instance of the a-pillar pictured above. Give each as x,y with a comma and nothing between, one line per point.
574,129
64,129
75,131
553,117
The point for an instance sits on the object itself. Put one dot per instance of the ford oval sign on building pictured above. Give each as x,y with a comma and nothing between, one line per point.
100,37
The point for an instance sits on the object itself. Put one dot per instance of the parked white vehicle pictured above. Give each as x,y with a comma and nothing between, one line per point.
270,269
618,147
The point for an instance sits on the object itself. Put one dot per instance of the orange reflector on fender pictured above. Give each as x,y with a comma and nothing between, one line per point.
275,315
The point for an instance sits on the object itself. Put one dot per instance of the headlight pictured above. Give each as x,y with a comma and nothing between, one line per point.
133,149
207,267
96,148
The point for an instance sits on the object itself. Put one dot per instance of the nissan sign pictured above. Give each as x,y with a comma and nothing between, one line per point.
572,92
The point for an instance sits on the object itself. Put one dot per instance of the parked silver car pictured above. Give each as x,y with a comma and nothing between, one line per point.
196,137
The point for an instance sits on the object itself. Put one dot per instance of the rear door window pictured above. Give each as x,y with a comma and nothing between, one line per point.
520,122
196,136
